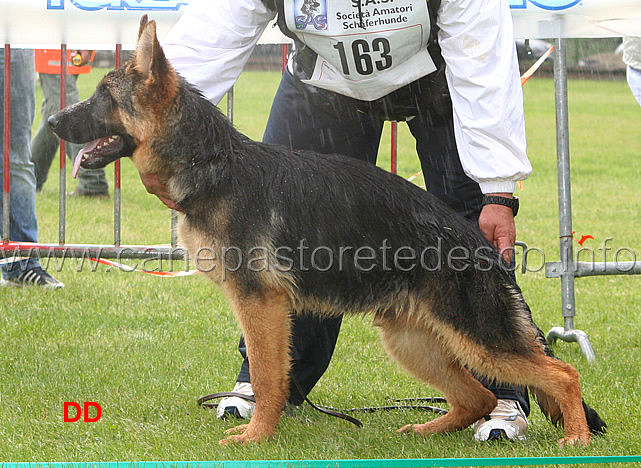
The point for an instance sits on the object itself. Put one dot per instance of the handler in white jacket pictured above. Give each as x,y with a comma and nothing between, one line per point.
632,58
447,67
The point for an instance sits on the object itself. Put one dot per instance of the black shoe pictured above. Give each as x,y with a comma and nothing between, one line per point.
34,277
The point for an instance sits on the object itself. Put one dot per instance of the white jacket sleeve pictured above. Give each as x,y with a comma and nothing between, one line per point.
477,42
212,41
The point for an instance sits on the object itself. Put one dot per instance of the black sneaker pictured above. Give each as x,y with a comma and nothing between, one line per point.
34,277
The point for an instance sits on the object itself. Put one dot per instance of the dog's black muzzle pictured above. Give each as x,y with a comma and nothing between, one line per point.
83,123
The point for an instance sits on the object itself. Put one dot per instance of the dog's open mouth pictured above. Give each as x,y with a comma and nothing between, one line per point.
100,152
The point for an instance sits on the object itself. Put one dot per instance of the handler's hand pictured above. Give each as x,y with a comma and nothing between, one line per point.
157,187
497,225
85,57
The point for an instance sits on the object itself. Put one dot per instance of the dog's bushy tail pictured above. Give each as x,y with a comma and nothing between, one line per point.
551,409
595,423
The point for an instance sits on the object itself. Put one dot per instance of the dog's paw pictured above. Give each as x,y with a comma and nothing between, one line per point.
405,429
420,429
243,436
575,440
409,428
247,433
237,430
234,440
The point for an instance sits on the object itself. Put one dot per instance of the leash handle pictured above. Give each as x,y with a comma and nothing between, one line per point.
328,410
212,396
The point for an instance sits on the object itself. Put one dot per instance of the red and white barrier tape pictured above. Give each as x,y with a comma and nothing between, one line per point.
526,76
127,268
17,246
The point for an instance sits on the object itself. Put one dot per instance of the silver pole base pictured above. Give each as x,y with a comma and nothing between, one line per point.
577,336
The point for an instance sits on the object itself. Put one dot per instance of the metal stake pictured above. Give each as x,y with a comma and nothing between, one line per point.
567,333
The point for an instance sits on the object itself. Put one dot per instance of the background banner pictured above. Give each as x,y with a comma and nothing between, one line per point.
547,19
99,24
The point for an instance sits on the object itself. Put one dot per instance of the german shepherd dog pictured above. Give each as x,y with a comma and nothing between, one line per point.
311,232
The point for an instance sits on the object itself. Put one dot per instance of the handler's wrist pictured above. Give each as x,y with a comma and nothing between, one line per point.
503,199
491,186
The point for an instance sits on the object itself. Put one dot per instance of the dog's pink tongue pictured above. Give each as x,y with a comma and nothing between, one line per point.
81,154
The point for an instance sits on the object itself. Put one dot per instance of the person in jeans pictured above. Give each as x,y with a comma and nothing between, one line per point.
23,222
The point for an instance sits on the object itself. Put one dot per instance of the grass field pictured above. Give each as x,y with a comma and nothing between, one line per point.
146,348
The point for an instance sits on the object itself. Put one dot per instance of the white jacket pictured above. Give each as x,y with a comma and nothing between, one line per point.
213,40
632,52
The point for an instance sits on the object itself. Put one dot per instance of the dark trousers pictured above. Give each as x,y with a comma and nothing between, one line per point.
296,123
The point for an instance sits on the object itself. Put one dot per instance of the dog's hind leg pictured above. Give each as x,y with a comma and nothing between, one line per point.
558,384
421,353
550,407
266,324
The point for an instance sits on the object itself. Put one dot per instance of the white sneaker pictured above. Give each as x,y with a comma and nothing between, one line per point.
237,407
507,421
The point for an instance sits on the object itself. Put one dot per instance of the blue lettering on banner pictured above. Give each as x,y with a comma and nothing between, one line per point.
554,5
136,5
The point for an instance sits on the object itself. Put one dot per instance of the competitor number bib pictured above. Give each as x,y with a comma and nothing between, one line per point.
363,54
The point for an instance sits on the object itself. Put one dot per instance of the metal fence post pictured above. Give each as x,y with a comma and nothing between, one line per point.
567,273
6,147
62,187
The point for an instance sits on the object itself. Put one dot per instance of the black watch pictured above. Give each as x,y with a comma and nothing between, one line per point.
496,200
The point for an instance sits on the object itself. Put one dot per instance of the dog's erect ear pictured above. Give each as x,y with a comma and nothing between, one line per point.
143,23
150,60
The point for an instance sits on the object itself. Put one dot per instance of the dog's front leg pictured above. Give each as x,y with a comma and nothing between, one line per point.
265,321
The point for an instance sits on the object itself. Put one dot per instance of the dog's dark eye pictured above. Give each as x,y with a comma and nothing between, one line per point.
102,92
109,100
112,101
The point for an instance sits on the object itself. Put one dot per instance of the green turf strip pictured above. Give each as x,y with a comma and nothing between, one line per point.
391,463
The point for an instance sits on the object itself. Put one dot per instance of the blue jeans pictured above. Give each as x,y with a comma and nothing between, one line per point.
23,221
295,122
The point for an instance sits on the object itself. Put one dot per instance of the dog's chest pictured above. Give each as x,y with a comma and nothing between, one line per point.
206,250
